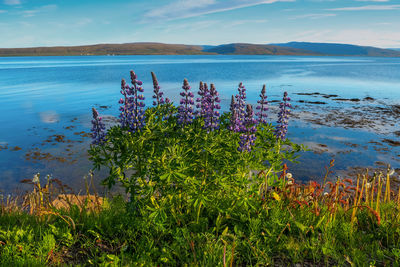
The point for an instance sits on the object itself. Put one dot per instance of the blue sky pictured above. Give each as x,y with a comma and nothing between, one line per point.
27,23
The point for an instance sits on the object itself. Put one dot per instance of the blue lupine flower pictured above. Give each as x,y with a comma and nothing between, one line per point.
202,102
241,103
235,121
185,109
158,95
98,129
248,137
262,107
211,113
283,118
132,112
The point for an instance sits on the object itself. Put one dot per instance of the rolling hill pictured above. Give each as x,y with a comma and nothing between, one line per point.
292,48
333,49
106,49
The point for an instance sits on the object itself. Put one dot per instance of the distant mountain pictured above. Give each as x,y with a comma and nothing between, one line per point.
293,48
333,49
106,49
257,49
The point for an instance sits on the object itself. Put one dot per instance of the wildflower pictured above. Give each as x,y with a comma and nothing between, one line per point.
211,113
158,96
36,178
202,101
235,122
98,134
132,112
391,172
263,107
185,110
290,182
248,137
326,193
289,175
241,102
368,185
283,118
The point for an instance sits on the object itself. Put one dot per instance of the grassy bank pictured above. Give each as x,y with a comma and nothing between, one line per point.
344,224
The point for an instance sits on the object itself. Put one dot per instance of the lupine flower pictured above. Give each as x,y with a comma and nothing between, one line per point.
235,122
211,113
283,117
185,109
132,112
248,137
262,107
158,95
241,103
202,101
98,127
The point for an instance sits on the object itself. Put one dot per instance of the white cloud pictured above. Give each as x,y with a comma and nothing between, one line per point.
12,2
369,7
313,16
193,8
34,12
2,11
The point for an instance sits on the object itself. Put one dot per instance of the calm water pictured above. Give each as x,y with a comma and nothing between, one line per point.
45,104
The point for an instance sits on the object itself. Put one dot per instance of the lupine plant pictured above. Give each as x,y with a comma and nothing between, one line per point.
98,129
132,111
158,95
202,173
262,107
241,102
248,137
211,107
283,117
185,115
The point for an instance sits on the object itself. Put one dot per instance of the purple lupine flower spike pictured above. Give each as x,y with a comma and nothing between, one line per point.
125,111
241,103
185,109
98,129
235,122
202,101
132,112
283,118
158,95
262,107
248,137
211,113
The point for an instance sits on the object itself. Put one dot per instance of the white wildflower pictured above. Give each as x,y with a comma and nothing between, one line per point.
326,193
391,172
290,182
368,185
289,175
36,178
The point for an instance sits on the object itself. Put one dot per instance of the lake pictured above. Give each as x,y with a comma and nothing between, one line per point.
346,108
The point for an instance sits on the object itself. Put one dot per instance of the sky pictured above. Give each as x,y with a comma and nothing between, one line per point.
30,23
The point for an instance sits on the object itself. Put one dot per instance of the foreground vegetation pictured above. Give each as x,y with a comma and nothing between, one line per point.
203,189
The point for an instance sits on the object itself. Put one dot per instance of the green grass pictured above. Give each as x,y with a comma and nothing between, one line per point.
293,224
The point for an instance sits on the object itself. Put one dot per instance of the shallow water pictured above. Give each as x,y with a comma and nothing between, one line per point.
43,99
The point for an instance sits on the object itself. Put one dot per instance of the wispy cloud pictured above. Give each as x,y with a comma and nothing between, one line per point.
313,16
34,12
12,2
2,11
369,7
193,8
246,21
